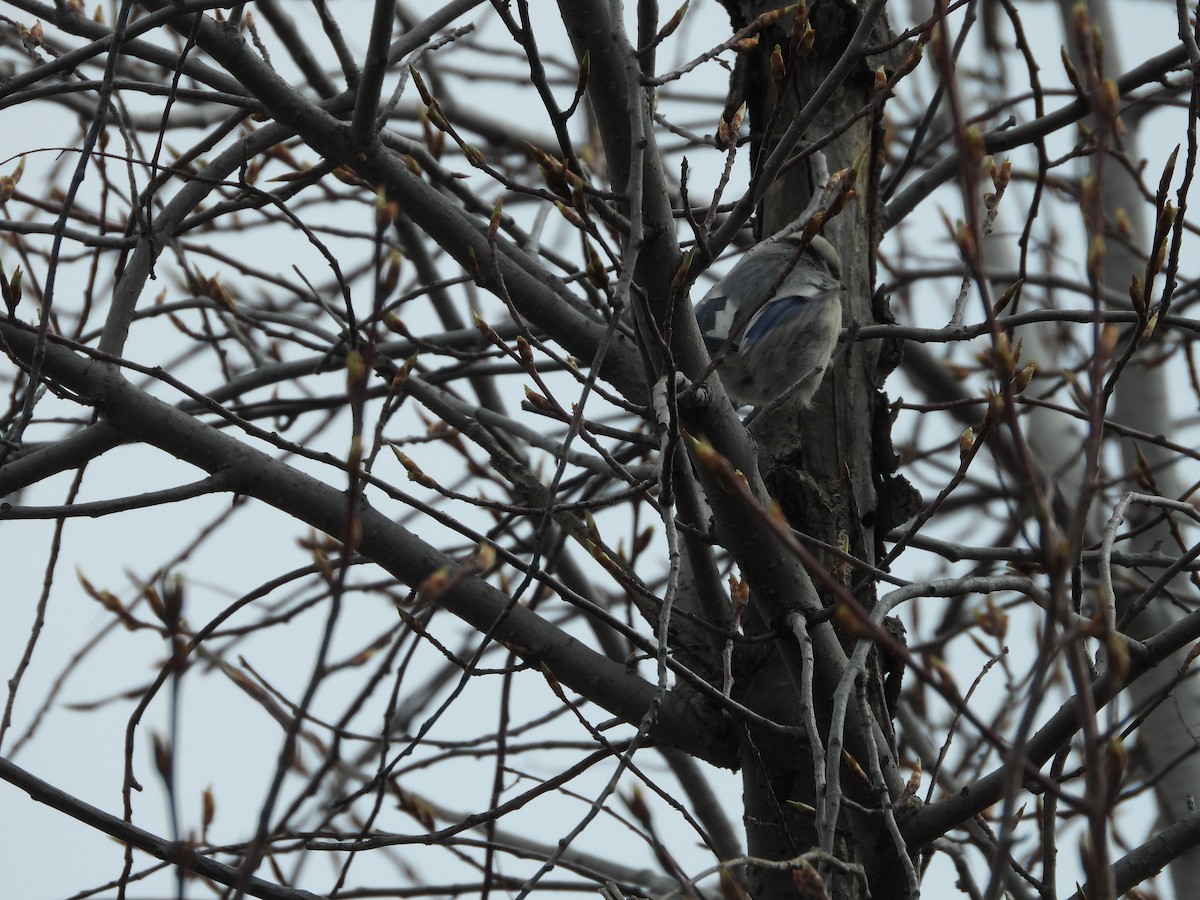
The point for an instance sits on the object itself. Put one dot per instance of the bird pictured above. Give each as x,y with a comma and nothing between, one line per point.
780,348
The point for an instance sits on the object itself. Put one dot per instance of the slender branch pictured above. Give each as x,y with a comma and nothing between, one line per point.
182,855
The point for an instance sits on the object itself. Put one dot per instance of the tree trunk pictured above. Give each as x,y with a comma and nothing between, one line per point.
821,464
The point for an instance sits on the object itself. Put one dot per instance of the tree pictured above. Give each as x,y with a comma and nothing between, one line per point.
456,248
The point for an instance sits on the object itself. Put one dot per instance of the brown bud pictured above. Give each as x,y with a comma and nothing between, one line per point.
1108,100
966,442
778,67
1137,293
8,183
208,804
1124,225
1024,377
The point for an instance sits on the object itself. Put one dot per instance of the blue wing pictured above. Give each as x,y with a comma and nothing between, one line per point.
783,315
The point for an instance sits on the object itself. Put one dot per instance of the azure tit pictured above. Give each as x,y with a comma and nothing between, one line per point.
779,348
